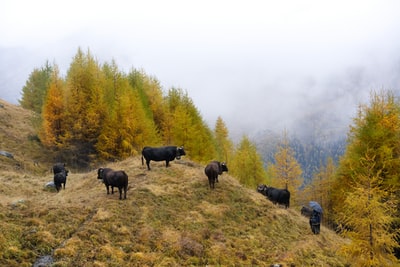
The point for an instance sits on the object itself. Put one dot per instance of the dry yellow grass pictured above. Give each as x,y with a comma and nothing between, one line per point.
170,218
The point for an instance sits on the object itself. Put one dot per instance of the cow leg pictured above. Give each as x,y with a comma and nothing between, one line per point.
125,189
212,183
108,190
120,192
112,190
148,164
167,163
216,178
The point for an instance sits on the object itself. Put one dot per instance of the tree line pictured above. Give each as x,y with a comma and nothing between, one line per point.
98,112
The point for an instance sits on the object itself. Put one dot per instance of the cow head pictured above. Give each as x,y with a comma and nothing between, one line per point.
224,167
100,173
180,152
262,188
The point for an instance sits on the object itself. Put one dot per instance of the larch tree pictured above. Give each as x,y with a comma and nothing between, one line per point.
53,113
188,128
126,129
368,218
151,95
114,141
35,89
223,144
247,165
286,170
85,108
367,183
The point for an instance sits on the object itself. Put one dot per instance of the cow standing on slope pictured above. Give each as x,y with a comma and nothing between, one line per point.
275,195
213,169
113,178
60,176
167,153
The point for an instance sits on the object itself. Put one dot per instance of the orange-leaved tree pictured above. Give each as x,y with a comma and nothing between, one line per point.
53,113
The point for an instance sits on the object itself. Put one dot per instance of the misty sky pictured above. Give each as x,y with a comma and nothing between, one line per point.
293,65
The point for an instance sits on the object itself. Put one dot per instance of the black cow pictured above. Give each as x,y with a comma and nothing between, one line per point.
167,153
306,211
213,169
114,179
60,175
58,167
60,179
275,195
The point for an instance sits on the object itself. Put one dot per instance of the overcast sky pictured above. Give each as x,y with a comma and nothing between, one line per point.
294,65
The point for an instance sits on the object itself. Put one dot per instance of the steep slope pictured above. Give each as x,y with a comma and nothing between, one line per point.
171,217
18,137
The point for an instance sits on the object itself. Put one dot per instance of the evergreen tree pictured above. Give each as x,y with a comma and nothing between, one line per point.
367,182
35,89
247,164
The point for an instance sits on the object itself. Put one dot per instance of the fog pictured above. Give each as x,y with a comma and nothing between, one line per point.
299,66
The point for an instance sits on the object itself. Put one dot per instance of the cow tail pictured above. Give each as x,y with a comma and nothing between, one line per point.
142,161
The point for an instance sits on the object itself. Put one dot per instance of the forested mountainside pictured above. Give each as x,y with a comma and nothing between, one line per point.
309,153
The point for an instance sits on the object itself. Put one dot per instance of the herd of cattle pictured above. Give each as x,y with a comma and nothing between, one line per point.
119,179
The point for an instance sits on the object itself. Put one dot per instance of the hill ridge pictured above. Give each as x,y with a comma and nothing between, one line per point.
170,218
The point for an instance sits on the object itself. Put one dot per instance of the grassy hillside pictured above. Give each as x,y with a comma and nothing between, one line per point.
18,137
170,218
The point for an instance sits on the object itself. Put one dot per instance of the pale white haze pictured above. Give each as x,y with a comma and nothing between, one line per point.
294,65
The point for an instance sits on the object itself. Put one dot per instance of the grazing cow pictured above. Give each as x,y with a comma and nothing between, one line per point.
167,153
306,211
114,179
275,195
213,169
60,179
